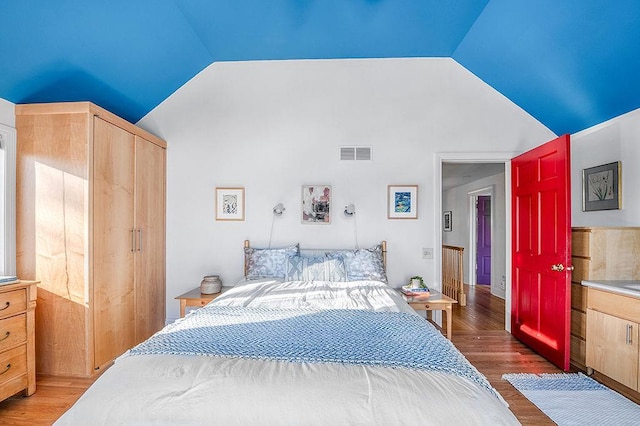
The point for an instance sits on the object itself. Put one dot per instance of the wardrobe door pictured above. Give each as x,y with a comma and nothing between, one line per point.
113,238
150,238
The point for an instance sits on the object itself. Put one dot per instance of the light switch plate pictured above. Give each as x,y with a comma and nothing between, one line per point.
427,253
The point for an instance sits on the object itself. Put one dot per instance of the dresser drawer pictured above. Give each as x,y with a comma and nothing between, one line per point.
580,242
621,306
13,302
13,331
13,363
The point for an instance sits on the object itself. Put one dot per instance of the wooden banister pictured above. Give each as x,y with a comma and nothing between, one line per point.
453,273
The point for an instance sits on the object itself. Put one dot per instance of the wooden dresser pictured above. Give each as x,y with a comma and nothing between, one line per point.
17,338
598,253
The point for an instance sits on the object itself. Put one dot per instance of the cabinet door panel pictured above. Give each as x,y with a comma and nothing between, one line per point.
112,265
150,233
52,217
612,347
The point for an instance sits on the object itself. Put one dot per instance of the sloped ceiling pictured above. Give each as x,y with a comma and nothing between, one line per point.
571,64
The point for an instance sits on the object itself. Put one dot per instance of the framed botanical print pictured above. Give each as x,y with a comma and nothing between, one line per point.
230,204
601,187
402,201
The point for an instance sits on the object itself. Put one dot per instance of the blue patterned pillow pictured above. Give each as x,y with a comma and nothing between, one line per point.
301,268
362,264
267,262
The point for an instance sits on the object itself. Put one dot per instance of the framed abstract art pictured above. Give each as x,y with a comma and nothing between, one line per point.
316,204
402,201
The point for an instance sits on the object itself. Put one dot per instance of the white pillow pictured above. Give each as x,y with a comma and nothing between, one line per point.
303,268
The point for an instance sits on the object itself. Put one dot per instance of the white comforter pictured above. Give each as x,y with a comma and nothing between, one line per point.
371,295
192,390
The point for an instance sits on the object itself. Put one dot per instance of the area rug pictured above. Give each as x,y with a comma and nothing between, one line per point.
575,399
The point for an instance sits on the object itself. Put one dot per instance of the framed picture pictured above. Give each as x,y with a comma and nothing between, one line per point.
316,204
229,203
446,221
402,202
601,187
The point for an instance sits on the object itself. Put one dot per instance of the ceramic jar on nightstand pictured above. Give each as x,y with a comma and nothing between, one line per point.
210,284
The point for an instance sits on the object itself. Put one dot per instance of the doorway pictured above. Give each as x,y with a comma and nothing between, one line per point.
534,176
476,199
483,240
484,261
466,222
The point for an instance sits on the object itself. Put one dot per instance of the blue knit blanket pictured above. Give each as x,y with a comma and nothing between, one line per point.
356,337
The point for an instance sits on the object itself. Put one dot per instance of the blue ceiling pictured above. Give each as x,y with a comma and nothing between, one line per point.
571,64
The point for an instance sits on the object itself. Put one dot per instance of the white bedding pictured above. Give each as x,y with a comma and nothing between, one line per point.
168,389
370,295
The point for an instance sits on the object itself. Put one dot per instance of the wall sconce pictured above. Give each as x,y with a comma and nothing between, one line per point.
349,210
278,209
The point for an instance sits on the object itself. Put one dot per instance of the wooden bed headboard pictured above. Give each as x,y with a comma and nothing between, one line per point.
383,244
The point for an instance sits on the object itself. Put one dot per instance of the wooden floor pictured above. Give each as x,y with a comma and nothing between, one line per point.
478,331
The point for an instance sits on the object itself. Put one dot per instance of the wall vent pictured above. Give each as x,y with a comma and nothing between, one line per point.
355,153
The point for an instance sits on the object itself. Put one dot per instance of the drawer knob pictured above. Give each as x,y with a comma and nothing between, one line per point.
6,336
6,306
6,369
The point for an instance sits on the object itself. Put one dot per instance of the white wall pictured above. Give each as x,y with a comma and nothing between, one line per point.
457,201
273,126
7,188
7,113
615,140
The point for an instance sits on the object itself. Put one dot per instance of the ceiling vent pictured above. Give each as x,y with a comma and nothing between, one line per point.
355,153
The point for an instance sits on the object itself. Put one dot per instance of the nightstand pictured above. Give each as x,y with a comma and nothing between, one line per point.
435,302
195,298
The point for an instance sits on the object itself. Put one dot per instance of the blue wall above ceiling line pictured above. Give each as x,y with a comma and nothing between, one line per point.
304,29
127,56
571,64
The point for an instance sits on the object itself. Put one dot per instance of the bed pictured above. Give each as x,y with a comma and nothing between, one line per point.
322,341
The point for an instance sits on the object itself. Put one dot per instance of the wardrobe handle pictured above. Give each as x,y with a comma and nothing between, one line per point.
629,331
133,240
139,239
6,306
6,336
6,369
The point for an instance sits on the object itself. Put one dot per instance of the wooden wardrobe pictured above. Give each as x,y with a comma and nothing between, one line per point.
91,228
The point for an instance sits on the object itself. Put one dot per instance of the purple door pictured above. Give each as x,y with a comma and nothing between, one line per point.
483,249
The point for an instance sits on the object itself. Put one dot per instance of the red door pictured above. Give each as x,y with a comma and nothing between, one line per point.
483,246
541,221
